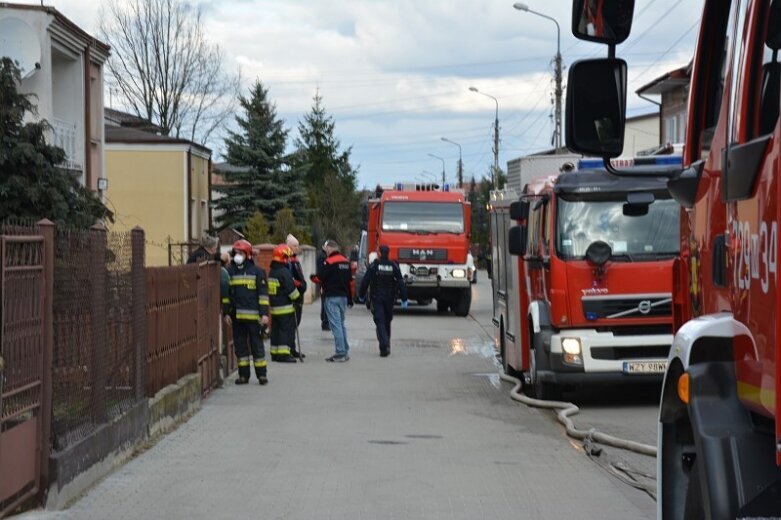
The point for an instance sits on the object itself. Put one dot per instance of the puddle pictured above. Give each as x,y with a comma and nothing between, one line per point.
474,346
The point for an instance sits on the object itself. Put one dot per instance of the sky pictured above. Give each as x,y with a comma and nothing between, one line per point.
395,74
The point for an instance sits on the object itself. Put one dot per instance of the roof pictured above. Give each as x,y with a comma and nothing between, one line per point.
600,181
115,117
668,81
120,134
81,33
225,167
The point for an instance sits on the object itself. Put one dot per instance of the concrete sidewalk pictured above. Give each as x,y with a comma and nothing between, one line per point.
427,433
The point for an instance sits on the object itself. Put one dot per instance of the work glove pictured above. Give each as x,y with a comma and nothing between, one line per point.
404,304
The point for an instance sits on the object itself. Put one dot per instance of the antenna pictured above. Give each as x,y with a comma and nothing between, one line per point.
19,42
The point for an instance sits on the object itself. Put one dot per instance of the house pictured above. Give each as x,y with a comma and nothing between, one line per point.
160,183
673,87
62,66
641,134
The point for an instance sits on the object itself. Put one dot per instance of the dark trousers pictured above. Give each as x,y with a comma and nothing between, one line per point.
323,317
247,341
382,310
299,311
283,336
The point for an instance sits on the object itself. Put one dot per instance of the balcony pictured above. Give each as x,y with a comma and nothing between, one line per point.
67,137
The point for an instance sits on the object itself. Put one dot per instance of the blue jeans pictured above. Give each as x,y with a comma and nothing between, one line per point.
335,309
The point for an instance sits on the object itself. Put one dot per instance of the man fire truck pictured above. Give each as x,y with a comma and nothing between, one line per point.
588,297
427,230
719,442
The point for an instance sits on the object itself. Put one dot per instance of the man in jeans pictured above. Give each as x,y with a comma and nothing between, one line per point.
335,277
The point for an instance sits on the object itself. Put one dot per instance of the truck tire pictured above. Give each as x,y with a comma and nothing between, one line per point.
463,303
536,388
424,301
442,306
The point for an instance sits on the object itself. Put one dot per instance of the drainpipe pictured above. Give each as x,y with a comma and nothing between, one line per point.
88,173
661,125
190,193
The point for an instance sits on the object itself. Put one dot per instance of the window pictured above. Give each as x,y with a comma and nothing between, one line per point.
582,222
423,217
765,79
671,129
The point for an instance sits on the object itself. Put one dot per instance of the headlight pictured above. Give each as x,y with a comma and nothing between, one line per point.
458,273
571,346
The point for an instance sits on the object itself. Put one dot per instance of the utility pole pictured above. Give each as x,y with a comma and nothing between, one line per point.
495,172
460,162
443,166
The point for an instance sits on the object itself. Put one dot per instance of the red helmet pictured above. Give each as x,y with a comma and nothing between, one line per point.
282,253
243,246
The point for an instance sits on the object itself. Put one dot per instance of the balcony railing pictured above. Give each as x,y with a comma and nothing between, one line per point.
67,137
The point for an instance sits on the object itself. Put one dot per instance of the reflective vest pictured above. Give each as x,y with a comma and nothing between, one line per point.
282,290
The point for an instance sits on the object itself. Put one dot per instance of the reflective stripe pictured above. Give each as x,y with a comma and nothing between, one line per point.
249,283
260,363
282,351
247,317
243,362
263,300
226,300
294,295
273,350
282,310
273,285
248,312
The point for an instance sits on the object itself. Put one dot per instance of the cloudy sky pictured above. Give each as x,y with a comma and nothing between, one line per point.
395,73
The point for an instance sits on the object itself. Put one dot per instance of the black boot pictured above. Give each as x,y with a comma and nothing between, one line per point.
262,380
241,380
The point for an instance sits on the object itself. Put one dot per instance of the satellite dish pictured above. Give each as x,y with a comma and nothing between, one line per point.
19,42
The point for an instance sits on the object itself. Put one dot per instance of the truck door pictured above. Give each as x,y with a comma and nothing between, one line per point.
751,191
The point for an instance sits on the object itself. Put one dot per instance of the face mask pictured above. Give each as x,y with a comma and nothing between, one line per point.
238,259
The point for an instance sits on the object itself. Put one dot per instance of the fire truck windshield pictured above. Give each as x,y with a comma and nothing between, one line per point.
423,217
580,222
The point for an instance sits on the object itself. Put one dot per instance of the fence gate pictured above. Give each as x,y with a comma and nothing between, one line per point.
22,353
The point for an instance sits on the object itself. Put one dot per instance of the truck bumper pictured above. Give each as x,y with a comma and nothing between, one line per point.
607,358
437,277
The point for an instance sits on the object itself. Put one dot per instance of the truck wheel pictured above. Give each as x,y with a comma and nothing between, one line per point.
442,306
536,388
425,301
464,302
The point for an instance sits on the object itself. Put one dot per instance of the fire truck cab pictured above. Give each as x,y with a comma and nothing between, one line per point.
427,229
593,277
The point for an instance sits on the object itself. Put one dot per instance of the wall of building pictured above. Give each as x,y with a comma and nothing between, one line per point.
147,188
641,134
200,196
674,115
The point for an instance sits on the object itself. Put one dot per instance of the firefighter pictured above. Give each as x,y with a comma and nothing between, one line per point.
384,277
282,297
298,275
248,307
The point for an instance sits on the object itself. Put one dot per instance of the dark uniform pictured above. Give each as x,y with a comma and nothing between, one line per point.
385,278
247,303
282,294
300,281
323,318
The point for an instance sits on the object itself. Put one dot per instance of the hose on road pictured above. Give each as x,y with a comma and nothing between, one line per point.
565,410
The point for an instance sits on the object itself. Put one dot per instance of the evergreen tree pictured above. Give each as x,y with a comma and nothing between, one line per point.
330,178
256,230
266,183
285,223
32,185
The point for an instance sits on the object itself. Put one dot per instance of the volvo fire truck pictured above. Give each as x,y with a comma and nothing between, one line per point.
719,442
427,229
583,279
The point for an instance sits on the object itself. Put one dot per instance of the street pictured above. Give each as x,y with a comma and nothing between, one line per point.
429,432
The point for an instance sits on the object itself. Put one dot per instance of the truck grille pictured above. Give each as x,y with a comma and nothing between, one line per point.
651,306
616,353
422,254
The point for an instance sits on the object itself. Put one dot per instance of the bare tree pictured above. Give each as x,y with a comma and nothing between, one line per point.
166,69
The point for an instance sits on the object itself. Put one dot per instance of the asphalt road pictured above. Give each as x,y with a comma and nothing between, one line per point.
428,433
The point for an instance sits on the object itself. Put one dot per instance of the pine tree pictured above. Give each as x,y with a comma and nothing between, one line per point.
256,231
32,185
284,224
265,183
330,178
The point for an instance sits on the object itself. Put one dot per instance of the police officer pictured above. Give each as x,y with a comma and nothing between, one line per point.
282,294
248,308
384,277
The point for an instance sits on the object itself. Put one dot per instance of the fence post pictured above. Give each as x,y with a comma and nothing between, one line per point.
97,247
47,231
139,310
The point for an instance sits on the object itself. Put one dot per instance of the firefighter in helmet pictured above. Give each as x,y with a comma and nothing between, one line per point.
248,308
283,294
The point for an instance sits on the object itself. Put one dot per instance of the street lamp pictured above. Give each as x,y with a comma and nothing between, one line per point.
557,133
495,172
443,166
430,176
460,162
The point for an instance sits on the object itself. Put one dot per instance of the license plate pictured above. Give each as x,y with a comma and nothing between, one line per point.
645,367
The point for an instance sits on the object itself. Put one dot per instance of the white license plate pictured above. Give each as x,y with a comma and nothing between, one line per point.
645,367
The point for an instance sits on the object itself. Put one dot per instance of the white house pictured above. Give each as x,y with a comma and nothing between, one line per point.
62,66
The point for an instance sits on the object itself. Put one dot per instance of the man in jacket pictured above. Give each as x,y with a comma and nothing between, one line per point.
298,275
384,277
321,256
207,251
335,276
282,295
248,308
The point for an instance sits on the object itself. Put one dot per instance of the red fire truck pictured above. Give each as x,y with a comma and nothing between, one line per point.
427,229
588,297
720,416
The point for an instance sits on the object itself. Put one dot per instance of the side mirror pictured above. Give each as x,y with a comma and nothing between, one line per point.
516,242
637,204
602,22
519,210
596,107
